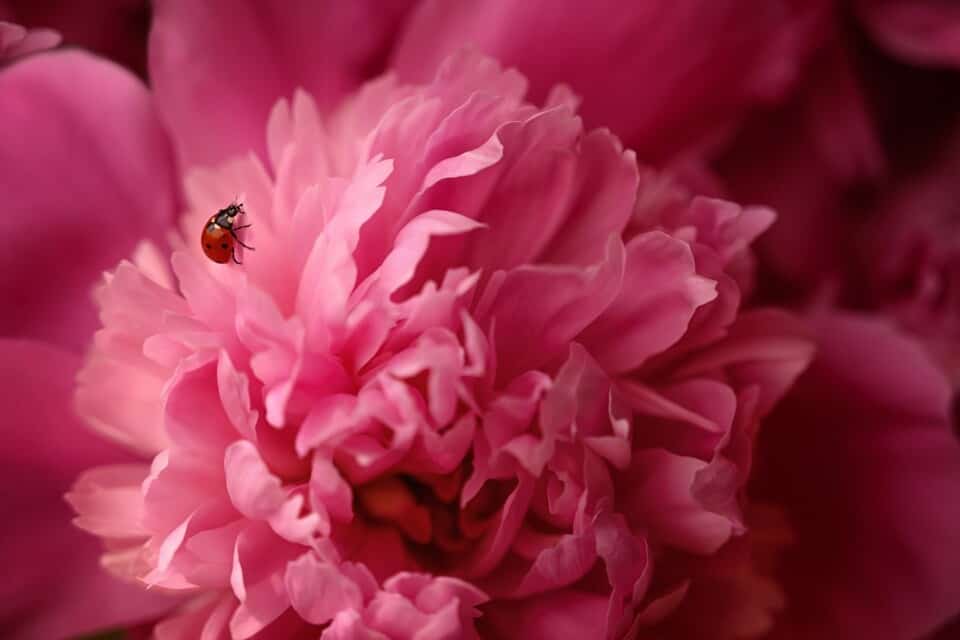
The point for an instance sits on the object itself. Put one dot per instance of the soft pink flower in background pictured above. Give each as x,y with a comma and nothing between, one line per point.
848,428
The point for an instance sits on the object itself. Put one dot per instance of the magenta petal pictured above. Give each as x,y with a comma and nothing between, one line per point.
318,590
541,308
862,456
56,587
16,40
921,31
559,614
696,64
93,210
662,499
660,293
218,67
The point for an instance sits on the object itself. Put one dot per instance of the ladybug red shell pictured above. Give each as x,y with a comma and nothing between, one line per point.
219,237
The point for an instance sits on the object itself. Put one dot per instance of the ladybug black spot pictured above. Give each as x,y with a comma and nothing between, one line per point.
209,246
223,246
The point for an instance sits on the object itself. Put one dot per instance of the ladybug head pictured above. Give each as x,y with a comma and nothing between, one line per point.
232,210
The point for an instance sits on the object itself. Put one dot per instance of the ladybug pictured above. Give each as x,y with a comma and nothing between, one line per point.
219,236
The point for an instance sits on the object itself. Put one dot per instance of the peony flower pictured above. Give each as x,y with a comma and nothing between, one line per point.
653,514
467,380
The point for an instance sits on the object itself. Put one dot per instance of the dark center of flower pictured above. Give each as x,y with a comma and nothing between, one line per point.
426,510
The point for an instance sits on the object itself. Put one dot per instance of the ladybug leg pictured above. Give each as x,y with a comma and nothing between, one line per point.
243,226
241,242
233,254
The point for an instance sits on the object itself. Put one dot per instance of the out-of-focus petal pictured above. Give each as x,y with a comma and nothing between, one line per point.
921,31
16,40
114,29
662,75
804,160
55,586
862,457
86,174
218,67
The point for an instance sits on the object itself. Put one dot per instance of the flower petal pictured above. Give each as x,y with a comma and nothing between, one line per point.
661,291
218,67
319,591
862,456
924,32
699,63
61,589
66,220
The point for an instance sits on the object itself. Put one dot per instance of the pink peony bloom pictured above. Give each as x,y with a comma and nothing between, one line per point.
488,448
468,380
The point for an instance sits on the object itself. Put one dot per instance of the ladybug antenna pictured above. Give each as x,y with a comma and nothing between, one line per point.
238,203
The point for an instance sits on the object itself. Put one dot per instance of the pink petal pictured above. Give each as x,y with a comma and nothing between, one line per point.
412,241
219,67
109,501
347,625
557,566
259,495
234,389
113,29
925,32
661,291
259,560
862,456
61,589
254,491
700,64
126,175
540,309
831,144
204,620
16,40
567,613
191,420
764,347
319,591
551,183
660,498
329,489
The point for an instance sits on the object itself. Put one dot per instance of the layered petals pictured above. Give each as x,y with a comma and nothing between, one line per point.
461,367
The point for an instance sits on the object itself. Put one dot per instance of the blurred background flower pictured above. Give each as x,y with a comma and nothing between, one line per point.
838,114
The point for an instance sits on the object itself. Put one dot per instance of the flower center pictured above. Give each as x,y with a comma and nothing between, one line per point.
426,510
